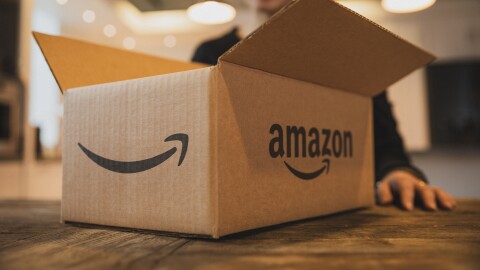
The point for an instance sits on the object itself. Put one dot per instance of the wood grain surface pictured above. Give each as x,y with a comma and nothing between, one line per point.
31,237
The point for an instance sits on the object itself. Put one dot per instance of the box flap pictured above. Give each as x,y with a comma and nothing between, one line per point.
76,63
322,42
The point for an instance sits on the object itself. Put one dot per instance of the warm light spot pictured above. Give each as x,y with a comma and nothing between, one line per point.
109,30
211,12
62,2
129,43
170,41
88,16
406,6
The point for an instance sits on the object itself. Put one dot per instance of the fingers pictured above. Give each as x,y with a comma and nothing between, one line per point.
404,187
384,193
427,195
407,194
445,200
400,184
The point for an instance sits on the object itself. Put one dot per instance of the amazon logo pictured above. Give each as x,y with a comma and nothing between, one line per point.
322,144
139,165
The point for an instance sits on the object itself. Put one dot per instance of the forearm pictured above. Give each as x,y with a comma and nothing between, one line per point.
390,152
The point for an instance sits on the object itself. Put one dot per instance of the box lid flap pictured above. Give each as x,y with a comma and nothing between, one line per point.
76,63
322,42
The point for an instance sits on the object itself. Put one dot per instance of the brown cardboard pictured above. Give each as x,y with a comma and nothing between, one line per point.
256,190
252,157
130,120
325,43
77,63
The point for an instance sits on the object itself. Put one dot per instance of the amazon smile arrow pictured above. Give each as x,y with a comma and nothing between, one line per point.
140,165
309,175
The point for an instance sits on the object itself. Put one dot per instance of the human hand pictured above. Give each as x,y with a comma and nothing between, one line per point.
403,187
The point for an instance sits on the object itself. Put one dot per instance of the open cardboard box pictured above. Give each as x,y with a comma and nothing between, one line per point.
279,130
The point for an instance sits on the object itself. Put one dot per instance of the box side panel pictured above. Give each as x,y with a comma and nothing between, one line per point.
263,120
134,167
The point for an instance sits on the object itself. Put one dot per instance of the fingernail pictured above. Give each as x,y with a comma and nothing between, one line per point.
451,206
409,206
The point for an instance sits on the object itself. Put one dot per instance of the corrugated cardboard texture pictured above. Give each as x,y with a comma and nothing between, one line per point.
322,42
129,121
256,190
287,75
77,63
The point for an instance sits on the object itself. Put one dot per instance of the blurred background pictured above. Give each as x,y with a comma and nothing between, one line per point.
437,108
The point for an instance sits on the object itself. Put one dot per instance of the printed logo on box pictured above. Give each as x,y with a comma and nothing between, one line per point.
139,165
291,142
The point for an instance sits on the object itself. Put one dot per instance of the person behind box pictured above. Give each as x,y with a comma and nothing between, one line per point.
397,179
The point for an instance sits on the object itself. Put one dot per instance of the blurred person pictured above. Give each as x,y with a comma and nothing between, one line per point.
11,101
397,179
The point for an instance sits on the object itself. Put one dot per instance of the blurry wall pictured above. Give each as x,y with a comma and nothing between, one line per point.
450,29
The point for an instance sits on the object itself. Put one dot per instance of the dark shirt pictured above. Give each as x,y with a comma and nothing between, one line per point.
389,149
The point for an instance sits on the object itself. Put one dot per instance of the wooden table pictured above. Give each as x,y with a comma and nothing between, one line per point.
31,237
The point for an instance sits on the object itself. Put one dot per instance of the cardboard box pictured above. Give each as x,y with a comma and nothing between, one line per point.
279,130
